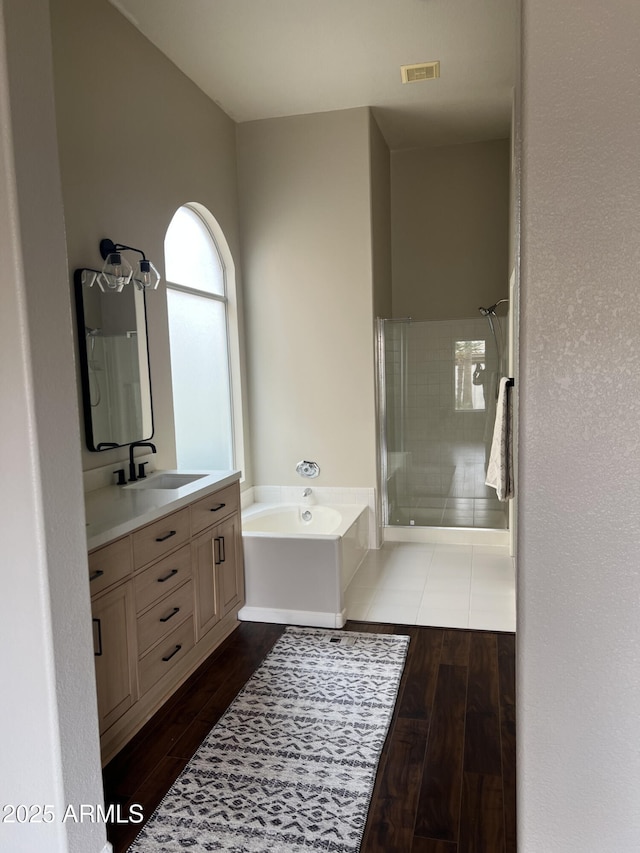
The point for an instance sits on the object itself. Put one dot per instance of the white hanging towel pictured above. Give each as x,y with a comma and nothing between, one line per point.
500,468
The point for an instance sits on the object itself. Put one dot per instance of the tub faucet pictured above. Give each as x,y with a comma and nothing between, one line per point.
132,464
306,493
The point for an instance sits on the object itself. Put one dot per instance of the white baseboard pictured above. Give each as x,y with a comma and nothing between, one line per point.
309,618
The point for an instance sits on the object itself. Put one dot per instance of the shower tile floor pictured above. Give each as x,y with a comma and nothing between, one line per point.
444,487
451,586
453,512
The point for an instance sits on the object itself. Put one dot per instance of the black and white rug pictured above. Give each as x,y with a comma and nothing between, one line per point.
291,764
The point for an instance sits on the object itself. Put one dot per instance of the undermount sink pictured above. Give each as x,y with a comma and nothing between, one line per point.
164,480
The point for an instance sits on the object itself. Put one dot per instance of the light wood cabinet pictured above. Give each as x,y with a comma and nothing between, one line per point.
109,565
230,580
163,598
205,568
155,540
217,559
164,616
162,577
209,511
115,653
165,658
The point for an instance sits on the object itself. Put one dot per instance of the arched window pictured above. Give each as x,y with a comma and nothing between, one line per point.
203,341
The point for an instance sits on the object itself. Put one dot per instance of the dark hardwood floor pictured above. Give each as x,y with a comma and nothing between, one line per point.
446,779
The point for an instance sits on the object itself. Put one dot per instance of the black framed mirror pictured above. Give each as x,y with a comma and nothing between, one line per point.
114,363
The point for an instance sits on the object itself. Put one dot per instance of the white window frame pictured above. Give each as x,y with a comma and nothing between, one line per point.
229,299
473,409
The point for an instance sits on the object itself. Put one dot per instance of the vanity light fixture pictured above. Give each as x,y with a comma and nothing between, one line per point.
117,271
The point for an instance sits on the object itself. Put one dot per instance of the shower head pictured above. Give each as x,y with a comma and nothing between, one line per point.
91,333
492,308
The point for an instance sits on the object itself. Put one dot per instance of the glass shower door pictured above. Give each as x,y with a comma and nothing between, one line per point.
438,382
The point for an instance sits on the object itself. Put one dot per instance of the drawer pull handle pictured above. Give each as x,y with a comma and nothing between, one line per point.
221,551
98,654
168,536
166,577
174,652
97,574
217,507
216,551
171,615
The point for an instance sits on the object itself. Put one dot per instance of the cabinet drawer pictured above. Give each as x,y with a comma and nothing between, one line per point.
163,576
212,509
161,659
165,616
157,539
109,565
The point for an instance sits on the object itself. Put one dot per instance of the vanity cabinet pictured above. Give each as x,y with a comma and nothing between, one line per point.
155,540
155,624
230,581
162,577
217,552
109,565
113,620
114,651
166,658
205,565
163,598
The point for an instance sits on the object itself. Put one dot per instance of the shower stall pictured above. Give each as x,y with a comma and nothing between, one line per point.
438,382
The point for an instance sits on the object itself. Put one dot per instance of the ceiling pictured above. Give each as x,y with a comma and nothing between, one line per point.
262,59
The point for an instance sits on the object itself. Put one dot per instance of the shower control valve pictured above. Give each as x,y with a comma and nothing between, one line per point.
308,469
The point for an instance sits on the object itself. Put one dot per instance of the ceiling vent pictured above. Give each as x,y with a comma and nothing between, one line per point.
420,71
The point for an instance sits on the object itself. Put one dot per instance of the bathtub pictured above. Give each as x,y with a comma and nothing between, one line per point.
297,568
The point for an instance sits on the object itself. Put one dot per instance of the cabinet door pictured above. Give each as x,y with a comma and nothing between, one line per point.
219,573
230,565
207,593
115,653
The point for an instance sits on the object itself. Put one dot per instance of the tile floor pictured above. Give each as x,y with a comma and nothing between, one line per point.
452,586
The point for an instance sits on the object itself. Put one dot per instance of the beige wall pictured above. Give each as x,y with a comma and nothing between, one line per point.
137,140
450,229
579,542
48,715
380,220
306,226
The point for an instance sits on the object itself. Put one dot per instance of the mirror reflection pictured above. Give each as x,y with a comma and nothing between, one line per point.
114,363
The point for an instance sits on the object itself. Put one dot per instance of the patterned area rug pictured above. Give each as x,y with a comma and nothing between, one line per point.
291,764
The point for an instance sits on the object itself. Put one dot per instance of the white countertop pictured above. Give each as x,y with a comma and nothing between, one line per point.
114,511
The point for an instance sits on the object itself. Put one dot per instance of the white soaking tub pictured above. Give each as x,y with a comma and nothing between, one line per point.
297,567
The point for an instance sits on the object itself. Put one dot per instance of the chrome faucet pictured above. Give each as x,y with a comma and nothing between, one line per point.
306,493
132,465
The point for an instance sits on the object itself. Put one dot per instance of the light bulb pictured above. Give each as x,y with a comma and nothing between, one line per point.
116,272
146,276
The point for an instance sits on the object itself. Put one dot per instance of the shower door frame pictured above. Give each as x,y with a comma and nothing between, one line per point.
381,392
